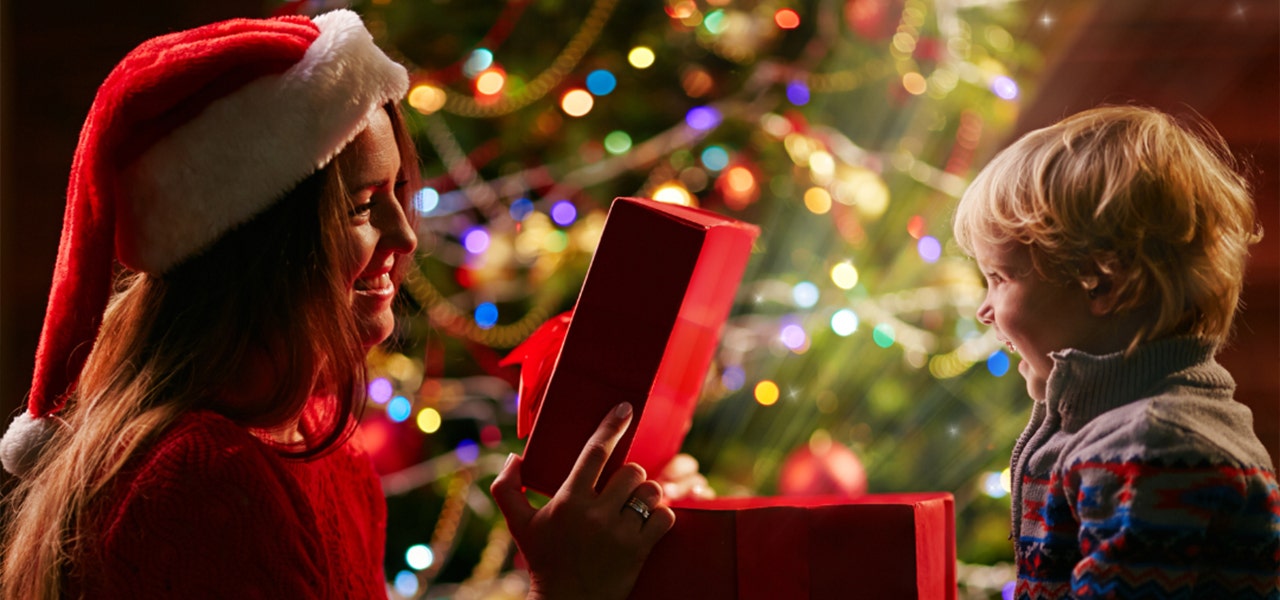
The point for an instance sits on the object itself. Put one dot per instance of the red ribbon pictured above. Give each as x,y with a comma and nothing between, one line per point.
537,357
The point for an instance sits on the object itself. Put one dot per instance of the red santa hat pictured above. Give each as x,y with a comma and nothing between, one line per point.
192,134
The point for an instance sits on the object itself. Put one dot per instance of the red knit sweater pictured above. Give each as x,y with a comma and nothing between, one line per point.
209,511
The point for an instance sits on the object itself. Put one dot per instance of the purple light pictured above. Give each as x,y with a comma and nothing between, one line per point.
564,213
475,240
380,390
930,249
702,118
798,93
468,451
792,337
1004,87
733,378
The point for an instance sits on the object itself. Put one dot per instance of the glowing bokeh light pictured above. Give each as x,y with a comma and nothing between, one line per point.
991,485
617,142
577,102
798,93
399,408
1004,87
490,436
491,82
733,378
805,294
998,363
673,193
817,200
786,18
475,240
426,200
715,158
844,275
844,322
486,315
521,208
479,60
915,83
740,179
916,226
468,451
555,241
702,118
714,22
429,420
930,249
766,393
601,82
564,213
419,557
427,99
406,584
883,335
641,57
822,163
380,390
793,337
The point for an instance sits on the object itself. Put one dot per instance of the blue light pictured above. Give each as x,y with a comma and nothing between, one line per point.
468,451
798,93
601,82
1004,87
399,408
733,378
998,363
805,294
564,213
486,315
930,249
426,200
480,59
702,118
406,584
715,158
992,486
521,208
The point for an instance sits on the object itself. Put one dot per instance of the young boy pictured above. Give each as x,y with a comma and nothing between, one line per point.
1114,244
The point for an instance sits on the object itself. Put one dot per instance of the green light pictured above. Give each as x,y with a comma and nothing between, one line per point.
617,142
883,335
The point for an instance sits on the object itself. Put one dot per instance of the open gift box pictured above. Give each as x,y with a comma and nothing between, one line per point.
644,330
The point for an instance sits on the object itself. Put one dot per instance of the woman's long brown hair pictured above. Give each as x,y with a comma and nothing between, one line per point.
257,328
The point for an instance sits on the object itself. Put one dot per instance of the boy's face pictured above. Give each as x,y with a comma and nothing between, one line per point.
1034,316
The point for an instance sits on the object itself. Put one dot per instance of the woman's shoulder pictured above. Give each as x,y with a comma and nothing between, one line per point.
202,444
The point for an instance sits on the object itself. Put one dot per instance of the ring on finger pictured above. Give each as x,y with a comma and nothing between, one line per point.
639,506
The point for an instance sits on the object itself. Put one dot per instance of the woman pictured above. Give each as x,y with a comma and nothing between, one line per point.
252,177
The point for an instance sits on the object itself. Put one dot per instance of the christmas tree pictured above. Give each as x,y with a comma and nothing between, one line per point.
845,129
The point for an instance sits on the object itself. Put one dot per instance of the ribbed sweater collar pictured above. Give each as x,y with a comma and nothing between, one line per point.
1082,386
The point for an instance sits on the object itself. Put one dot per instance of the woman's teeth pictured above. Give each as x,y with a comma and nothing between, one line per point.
379,283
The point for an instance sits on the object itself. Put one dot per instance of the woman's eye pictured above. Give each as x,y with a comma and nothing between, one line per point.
362,208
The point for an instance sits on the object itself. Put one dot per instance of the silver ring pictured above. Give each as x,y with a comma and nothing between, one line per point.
639,506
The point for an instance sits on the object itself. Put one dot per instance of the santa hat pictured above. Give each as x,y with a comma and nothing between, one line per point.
192,134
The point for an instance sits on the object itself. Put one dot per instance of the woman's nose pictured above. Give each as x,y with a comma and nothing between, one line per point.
397,233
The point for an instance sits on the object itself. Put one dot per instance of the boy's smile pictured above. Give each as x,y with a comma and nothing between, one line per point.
1034,316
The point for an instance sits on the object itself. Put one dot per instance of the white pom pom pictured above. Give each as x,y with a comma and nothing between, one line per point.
24,440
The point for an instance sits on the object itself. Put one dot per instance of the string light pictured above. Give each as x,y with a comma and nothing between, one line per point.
380,390
844,322
786,18
577,102
429,420
844,275
641,57
617,142
766,393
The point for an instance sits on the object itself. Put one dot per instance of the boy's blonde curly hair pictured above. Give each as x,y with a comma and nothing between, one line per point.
1127,200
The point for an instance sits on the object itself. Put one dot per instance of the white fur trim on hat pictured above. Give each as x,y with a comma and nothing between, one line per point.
245,150
23,442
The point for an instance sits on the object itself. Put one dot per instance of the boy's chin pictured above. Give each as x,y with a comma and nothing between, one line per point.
1035,384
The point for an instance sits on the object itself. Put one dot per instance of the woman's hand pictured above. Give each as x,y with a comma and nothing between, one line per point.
585,544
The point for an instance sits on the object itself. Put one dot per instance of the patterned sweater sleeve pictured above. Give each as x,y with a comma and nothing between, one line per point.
205,516
1168,518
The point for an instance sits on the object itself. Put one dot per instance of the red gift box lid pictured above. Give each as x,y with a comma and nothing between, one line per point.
644,330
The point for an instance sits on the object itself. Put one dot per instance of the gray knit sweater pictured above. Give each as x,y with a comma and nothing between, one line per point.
1141,476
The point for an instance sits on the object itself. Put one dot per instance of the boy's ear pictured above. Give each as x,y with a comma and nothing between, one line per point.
1099,282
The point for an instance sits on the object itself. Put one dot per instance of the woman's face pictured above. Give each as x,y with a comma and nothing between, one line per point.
379,231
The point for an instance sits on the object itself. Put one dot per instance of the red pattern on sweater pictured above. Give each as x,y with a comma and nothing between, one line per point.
210,511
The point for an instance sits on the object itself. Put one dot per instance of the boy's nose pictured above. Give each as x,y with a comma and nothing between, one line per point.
985,315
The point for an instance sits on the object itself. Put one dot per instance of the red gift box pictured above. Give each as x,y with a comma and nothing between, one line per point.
644,330
879,546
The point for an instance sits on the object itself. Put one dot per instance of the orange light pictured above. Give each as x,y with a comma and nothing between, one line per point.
740,179
490,82
426,99
577,102
787,18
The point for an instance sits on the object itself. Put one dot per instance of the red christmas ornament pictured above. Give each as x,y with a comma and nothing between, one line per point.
391,446
822,468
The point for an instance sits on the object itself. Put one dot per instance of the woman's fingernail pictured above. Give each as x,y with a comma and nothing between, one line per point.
622,411
510,457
